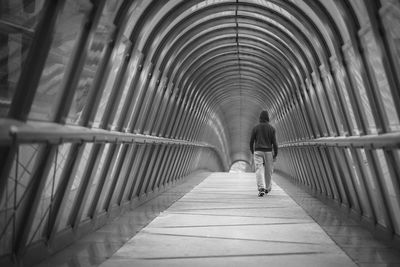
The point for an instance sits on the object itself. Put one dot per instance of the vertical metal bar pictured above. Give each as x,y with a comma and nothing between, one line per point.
116,91
32,199
7,160
63,190
301,167
155,158
186,157
375,167
98,86
168,114
359,185
157,167
344,117
52,189
389,60
171,165
322,172
175,164
176,114
161,168
168,168
35,61
14,227
75,65
179,163
313,104
329,174
156,109
308,117
150,168
157,126
347,180
125,120
145,112
114,180
94,209
313,170
324,107
167,165
130,162
138,161
182,168
308,174
85,186
331,156
143,170
110,177
394,161
312,113
139,93
135,192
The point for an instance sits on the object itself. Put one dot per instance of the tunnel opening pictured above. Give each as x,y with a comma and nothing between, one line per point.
240,166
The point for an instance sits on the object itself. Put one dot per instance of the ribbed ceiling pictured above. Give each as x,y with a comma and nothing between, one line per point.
234,58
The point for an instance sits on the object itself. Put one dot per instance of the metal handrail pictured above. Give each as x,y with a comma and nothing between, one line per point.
17,132
52,133
386,140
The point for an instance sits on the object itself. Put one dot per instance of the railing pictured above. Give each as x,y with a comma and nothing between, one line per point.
386,140
16,132
52,133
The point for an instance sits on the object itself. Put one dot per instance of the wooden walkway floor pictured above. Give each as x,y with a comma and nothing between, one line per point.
222,222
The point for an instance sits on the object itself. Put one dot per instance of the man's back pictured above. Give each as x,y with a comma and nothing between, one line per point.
263,137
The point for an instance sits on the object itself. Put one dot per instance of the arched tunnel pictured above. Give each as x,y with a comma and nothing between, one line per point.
106,104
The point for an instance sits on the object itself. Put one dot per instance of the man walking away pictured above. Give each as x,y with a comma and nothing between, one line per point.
265,149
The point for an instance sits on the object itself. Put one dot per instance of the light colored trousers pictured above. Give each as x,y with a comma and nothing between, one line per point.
263,162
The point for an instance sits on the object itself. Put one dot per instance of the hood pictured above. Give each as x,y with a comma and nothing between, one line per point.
264,117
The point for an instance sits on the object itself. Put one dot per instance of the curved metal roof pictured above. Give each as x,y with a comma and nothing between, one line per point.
231,59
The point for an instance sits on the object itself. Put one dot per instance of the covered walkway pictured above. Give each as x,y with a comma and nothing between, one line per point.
216,219
106,105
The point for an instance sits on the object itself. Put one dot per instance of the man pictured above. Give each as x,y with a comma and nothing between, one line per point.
265,149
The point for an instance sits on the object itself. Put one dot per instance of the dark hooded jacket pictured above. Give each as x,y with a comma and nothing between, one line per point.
263,136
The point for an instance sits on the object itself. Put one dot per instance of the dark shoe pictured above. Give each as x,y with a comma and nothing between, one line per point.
261,192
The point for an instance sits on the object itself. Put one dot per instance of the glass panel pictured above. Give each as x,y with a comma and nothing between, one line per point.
52,181
129,83
375,195
359,186
132,180
16,188
322,97
391,189
354,64
374,58
123,174
110,178
331,95
93,187
75,186
390,16
95,54
116,62
340,77
18,20
67,31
